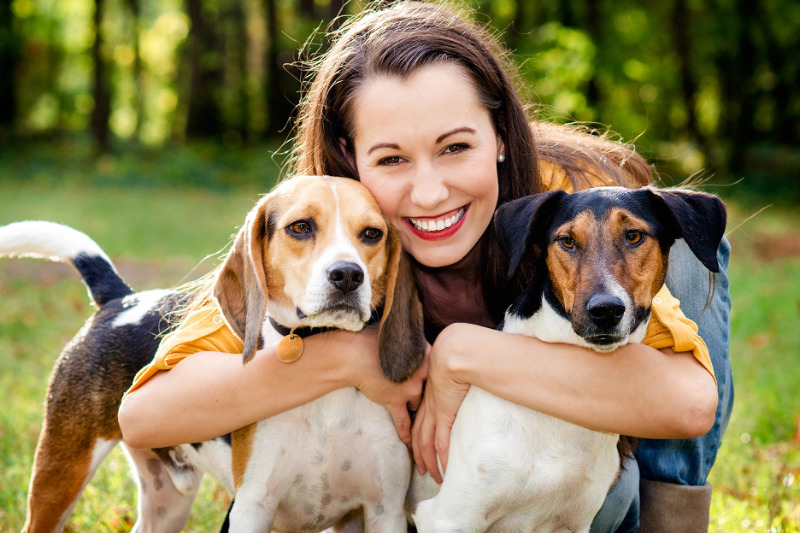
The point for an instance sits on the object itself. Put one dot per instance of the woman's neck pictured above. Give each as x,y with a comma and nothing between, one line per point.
454,293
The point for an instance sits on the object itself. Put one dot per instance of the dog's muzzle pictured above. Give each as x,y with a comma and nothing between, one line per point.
346,277
603,321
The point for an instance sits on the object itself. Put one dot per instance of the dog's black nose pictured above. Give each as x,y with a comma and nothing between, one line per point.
345,276
605,310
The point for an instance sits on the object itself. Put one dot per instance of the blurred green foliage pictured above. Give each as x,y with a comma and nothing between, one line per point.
699,85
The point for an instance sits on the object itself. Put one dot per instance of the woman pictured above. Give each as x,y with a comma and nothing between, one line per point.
418,105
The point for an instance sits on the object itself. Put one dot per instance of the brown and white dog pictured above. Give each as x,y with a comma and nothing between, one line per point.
315,252
600,256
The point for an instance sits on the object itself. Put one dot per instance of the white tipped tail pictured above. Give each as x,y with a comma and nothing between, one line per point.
47,240
56,242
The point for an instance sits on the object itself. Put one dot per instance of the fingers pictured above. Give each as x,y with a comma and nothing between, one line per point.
423,443
402,422
416,446
417,384
429,453
442,443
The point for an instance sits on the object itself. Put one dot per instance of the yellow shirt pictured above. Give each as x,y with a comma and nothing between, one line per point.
205,329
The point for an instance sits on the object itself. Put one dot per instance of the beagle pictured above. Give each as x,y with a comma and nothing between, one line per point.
599,257
314,253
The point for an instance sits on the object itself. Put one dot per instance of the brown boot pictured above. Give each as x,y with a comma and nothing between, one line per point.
672,508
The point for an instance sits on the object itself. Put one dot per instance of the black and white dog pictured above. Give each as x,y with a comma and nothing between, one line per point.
600,258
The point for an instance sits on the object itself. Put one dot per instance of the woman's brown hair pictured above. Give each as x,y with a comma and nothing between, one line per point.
398,40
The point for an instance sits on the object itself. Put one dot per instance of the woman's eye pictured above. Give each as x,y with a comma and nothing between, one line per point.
371,235
567,242
390,161
456,148
633,236
300,228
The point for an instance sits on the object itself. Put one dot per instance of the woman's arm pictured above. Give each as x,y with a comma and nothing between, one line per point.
635,390
210,393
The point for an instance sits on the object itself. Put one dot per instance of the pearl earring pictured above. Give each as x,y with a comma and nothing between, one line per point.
501,158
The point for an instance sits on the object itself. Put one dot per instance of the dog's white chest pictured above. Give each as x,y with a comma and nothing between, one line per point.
316,463
513,469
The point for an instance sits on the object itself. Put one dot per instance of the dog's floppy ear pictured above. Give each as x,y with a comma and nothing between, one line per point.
241,286
699,218
514,222
401,337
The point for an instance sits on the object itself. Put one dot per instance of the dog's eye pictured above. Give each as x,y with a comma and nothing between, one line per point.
567,242
300,228
371,235
633,236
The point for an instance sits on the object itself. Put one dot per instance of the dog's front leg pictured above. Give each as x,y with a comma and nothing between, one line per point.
465,501
163,506
389,517
253,514
257,496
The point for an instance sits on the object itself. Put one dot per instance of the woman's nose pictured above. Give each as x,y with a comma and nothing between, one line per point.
429,188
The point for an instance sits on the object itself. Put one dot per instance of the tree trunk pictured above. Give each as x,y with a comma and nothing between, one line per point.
204,117
688,86
307,9
272,71
239,38
743,95
336,9
513,36
9,59
101,88
594,27
134,9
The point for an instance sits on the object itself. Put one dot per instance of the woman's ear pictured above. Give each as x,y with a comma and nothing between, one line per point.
501,149
347,153
240,286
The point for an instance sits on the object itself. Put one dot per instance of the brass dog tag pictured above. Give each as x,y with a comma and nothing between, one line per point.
290,348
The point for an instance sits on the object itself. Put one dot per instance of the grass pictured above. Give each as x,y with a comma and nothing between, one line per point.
757,474
160,233
159,237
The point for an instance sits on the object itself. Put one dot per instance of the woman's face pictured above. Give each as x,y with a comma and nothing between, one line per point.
426,149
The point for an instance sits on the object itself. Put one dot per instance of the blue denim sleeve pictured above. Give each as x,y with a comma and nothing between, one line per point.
705,300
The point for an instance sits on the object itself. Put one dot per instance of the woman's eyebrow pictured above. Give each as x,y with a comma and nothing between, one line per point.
439,139
383,145
453,132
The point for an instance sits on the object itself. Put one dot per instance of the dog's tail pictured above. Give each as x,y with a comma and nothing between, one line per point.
48,240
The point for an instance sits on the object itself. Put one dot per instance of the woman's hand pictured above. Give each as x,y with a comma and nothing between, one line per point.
397,398
430,436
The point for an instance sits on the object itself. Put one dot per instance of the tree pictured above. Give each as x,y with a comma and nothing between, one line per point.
134,11
101,90
204,116
9,58
682,40
272,70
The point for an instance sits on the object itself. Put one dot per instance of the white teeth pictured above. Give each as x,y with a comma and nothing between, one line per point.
437,225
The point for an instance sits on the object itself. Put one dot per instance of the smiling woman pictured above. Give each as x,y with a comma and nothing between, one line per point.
434,172
418,104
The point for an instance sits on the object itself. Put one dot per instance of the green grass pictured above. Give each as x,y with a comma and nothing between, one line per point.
757,474
36,319
159,233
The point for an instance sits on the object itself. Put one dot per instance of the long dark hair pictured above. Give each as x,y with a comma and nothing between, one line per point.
400,39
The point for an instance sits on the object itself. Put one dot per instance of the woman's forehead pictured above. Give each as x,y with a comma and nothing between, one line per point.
431,101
